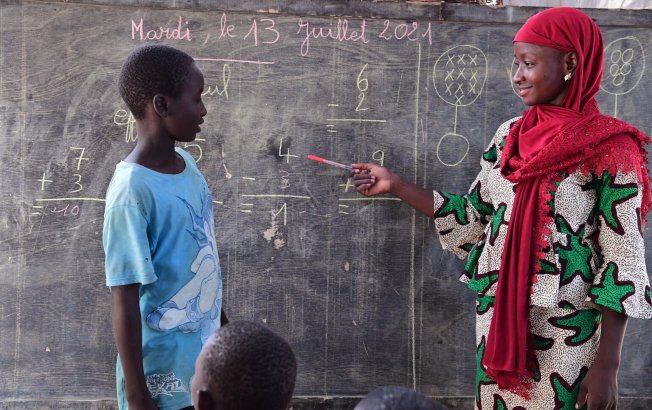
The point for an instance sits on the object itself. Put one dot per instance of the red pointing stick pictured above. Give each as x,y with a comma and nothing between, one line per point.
325,161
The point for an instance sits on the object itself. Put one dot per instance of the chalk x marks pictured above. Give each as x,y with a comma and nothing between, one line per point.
459,75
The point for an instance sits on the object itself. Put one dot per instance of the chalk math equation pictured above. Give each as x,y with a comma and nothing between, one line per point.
457,78
464,72
62,193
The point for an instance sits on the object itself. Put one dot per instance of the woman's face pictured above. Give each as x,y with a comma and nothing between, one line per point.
539,74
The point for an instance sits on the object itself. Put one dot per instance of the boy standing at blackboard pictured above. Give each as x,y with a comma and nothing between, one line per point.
161,256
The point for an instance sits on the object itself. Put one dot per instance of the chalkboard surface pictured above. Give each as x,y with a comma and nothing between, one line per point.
360,287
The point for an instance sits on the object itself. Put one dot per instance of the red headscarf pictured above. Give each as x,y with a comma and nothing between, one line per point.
547,141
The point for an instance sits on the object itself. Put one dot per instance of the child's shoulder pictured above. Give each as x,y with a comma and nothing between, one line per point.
130,182
190,161
191,169
130,174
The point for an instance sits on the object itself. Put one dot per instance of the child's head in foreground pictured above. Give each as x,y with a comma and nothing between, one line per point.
244,366
397,398
149,70
163,84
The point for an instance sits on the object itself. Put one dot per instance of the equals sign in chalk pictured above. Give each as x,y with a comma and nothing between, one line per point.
325,161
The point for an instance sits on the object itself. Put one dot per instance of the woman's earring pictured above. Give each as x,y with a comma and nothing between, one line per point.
568,76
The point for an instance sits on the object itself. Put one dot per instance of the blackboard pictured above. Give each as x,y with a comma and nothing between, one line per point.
360,287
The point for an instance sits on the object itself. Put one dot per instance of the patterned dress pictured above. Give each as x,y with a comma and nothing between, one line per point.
595,257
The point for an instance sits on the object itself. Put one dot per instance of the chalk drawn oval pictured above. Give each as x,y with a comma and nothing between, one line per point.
459,75
624,62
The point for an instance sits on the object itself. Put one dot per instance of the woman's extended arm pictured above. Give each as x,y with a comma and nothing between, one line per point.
371,179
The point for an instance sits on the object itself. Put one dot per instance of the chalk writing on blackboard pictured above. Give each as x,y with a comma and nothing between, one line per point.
78,185
43,181
355,120
363,85
195,146
180,32
224,92
339,32
81,156
268,27
624,65
226,29
459,75
343,31
232,60
402,31
125,118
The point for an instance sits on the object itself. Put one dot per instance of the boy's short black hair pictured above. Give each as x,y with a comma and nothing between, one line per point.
149,70
397,398
249,367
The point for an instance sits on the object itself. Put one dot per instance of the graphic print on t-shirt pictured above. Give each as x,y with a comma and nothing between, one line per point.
164,384
196,306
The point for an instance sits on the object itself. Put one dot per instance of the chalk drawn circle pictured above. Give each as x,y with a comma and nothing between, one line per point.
626,61
450,136
459,75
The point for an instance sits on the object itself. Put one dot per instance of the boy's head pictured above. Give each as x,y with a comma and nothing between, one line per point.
244,366
397,398
150,70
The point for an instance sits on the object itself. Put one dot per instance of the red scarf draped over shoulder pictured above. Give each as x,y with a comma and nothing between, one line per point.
547,141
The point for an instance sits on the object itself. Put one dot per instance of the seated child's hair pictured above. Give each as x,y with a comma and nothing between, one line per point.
149,70
247,366
397,398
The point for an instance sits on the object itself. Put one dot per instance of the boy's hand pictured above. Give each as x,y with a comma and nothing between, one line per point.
371,179
143,402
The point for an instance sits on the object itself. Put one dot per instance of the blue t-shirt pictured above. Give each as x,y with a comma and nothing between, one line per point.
159,232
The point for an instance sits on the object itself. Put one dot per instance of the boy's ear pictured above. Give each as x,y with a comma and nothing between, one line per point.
204,401
160,103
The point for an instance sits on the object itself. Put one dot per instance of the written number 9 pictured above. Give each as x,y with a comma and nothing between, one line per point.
379,156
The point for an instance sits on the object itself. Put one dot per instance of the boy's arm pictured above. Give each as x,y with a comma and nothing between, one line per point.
125,312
